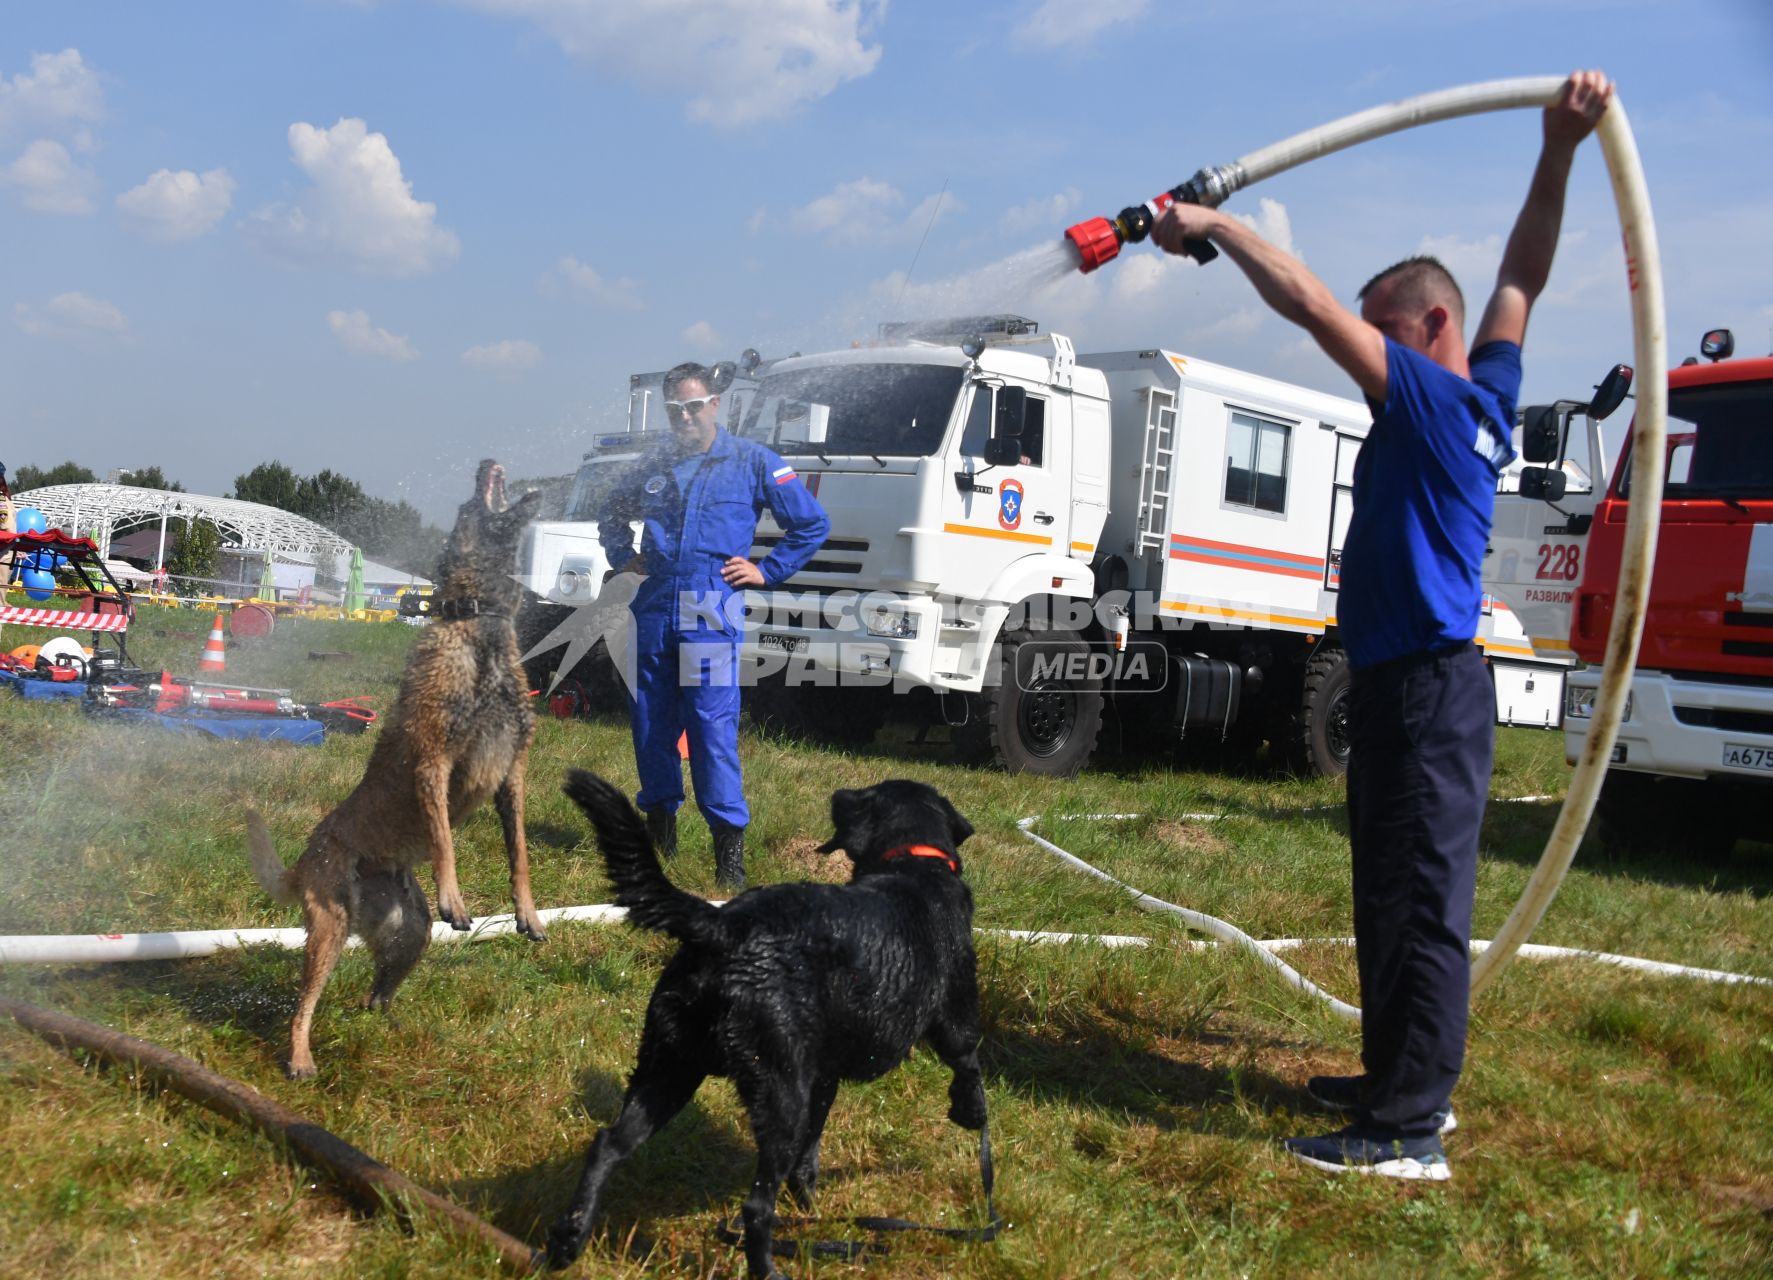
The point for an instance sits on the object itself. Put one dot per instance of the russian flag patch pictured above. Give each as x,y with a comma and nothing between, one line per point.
783,475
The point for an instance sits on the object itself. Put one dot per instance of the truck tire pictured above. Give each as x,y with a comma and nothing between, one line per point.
601,689
537,617
1046,724
1319,746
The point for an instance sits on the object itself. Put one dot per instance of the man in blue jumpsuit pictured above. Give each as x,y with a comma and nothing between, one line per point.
698,501
1421,708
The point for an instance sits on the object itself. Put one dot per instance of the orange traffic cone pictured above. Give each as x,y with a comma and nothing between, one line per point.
683,745
215,654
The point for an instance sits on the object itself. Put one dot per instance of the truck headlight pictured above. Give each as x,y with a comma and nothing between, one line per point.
1579,703
890,619
575,583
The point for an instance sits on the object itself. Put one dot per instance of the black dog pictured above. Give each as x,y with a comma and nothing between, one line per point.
790,988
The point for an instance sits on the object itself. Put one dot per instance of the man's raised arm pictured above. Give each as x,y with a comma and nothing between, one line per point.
1286,285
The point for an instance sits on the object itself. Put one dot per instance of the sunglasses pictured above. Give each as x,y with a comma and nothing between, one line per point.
687,408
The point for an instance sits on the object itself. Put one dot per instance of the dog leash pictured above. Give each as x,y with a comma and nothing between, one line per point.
731,1230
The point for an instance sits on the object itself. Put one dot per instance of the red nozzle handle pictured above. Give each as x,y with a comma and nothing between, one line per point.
1097,241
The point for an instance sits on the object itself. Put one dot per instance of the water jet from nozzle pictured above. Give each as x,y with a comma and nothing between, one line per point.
1098,240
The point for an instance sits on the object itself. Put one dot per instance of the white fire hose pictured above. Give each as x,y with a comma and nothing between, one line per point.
1643,266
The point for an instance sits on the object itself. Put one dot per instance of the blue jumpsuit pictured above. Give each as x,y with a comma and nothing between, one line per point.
695,513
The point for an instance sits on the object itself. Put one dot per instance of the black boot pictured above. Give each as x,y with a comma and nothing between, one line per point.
661,825
729,856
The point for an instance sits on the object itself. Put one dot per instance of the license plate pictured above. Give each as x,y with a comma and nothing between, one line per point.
1737,756
775,640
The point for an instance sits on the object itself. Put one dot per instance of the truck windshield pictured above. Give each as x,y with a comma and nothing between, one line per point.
899,410
591,486
1720,443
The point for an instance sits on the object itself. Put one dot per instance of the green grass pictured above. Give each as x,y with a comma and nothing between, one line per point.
1611,1124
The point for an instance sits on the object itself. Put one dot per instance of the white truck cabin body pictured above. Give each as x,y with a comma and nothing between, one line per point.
1231,491
920,523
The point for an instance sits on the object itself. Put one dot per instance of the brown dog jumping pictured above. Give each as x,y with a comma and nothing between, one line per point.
459,732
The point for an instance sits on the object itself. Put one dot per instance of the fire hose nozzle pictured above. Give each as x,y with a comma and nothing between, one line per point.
1098,240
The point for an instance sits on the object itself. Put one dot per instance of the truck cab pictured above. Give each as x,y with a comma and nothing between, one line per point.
1693,764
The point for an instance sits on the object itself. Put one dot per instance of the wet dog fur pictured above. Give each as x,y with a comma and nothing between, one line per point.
459,732
790,988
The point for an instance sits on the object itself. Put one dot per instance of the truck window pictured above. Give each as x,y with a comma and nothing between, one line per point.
978,427
898,410
1256,458
1720,442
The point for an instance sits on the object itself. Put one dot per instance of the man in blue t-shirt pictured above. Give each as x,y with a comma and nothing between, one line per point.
1421,707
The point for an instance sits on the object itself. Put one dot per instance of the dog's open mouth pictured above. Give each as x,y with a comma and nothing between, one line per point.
494,496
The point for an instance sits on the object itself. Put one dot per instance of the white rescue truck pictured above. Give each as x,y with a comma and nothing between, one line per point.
1036,543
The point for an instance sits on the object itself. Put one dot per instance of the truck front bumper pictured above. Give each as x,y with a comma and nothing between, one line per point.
809,645
1683,728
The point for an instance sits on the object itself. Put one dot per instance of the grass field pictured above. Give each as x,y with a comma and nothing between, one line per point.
1610,1124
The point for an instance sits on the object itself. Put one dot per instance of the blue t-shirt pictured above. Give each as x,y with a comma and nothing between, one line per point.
1424,492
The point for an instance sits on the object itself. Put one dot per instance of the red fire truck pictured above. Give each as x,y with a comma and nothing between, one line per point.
1693,767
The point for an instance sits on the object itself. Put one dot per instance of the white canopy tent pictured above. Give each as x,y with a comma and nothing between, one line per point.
98,510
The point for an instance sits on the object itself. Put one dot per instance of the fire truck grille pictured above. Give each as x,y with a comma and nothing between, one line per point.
827,560
1724,718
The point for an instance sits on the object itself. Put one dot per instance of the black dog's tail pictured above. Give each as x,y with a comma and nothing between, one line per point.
653,902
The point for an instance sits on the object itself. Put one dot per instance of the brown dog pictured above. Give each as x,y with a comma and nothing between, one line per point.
459,732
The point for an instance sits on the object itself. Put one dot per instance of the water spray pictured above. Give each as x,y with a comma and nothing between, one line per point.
1098,240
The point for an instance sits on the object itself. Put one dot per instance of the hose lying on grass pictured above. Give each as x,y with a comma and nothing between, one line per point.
1264,951
367,1181
103,948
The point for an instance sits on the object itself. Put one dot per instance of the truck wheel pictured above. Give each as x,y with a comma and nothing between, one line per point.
535,619
1319,746
1038,718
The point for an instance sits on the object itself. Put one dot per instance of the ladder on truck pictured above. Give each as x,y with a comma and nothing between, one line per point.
1156,469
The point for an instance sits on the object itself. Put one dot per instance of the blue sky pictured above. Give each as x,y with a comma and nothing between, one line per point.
391,237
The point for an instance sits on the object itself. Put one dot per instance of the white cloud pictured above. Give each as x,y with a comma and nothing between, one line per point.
72,315
867,211
1059,24
1044,213
507,357
1272,223
58,93
701,334
355,333
47,179
586,282
740,61
178,206
360,210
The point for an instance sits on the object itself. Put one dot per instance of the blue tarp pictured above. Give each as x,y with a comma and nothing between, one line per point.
43,690
307,733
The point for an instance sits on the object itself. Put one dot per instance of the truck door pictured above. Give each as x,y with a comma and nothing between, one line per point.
1010,511
1536,547
1348,448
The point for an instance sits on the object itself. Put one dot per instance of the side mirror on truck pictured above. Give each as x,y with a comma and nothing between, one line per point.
1547,484
1611,393
1540,434
1004,448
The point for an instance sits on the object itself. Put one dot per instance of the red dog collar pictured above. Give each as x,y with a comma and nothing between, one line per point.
921,851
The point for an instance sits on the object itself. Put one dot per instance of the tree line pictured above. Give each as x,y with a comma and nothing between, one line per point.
391,532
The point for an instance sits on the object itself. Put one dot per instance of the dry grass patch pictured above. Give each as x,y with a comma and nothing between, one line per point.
1192,837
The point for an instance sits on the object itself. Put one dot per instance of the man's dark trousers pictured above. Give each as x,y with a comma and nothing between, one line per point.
1422,737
